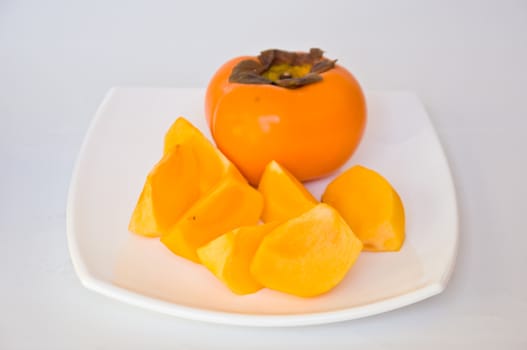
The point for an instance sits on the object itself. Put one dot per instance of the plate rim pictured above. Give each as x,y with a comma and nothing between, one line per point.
236,318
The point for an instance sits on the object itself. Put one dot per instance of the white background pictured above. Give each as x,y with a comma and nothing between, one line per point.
467,60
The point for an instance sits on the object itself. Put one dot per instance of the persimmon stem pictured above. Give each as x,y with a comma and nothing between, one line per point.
283,68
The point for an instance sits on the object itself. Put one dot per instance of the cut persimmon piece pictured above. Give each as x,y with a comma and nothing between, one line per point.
191,166
307,255
230,204
284,196
212,164
169,191
370,206
229,256
181,131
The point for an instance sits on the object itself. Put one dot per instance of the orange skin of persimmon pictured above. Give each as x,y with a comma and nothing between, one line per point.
311,130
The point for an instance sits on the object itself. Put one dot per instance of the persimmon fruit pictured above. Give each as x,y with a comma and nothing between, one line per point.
300,109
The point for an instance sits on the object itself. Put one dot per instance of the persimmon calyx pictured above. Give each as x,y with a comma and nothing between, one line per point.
283,68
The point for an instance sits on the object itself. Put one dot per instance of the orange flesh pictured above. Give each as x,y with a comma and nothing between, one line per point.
308,255
168,192
230,204
370,206
284,196
191,166
212,164
229,256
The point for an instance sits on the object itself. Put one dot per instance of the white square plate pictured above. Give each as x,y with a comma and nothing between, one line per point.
125,140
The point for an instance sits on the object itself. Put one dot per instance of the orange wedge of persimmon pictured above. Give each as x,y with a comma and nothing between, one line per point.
229,256
229,205
190,167
168,192
307,255
284,196
371,207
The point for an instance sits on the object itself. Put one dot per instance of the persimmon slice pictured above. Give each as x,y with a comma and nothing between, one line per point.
284,196
370,206
307,255
229,256
191,166
212,164
169,190
229,205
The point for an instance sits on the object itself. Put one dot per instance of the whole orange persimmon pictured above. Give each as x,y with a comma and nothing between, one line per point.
297,108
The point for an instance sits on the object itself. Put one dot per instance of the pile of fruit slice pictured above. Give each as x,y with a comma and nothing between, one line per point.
202,209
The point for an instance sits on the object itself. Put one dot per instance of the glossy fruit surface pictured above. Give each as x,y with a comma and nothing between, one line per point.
311,130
